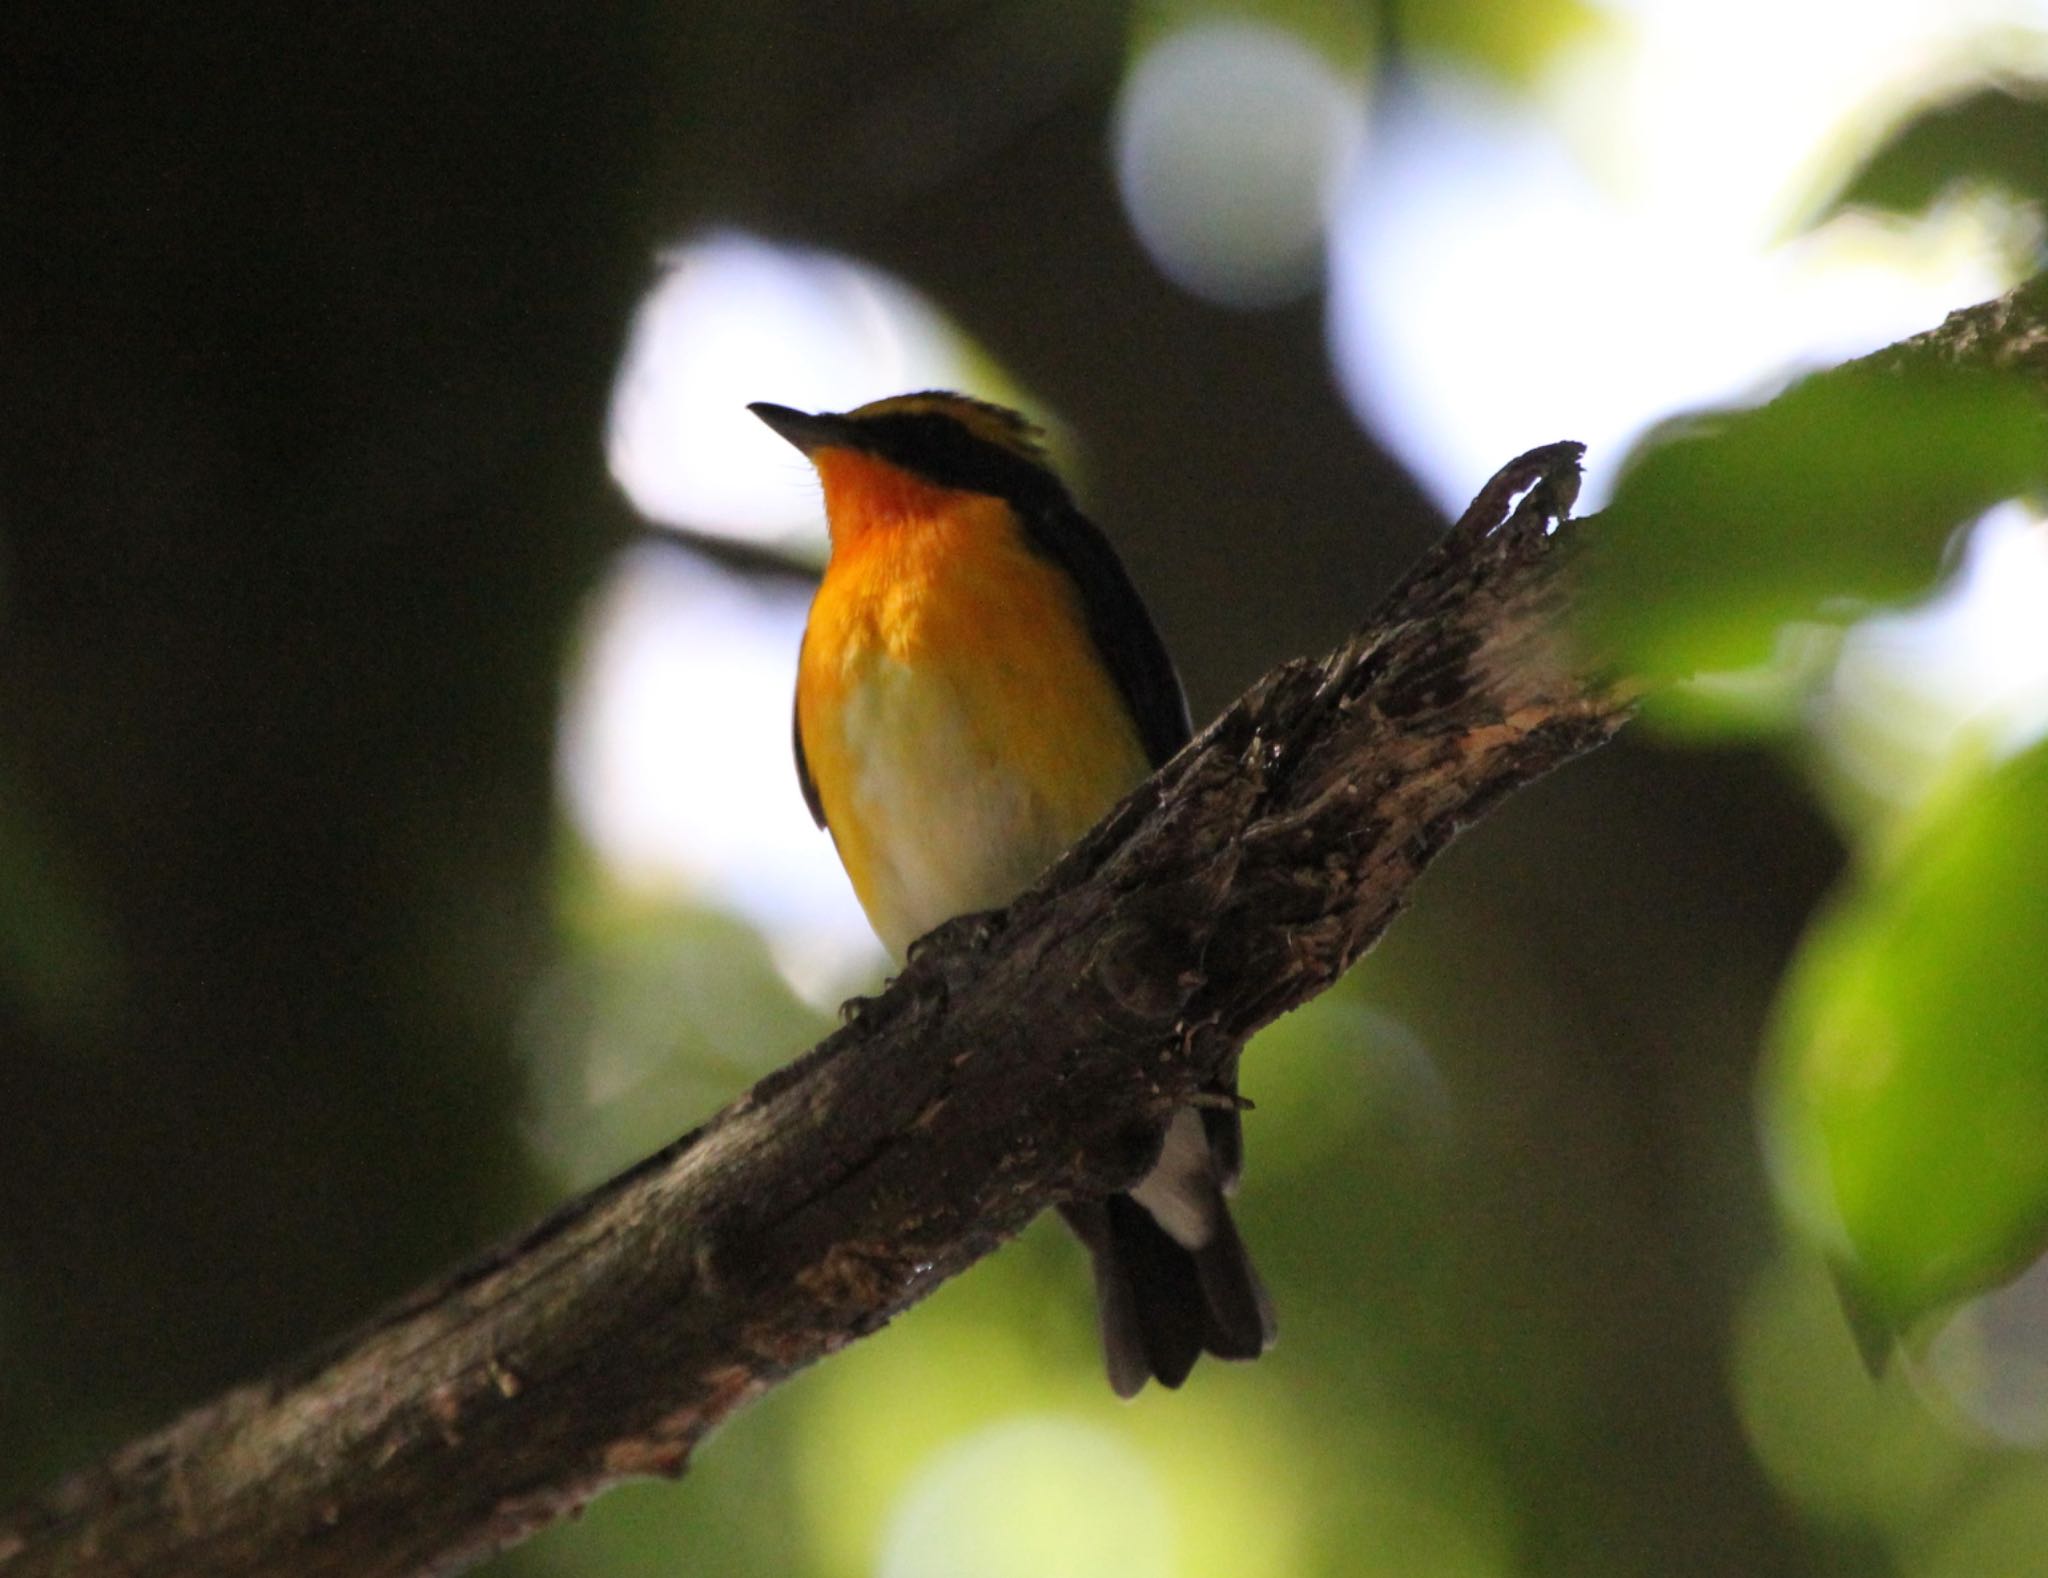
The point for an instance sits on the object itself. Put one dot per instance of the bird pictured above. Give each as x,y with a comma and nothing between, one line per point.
978,684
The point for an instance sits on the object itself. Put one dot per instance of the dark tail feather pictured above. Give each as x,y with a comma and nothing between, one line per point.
1166,1292
1162,1306
1241,1322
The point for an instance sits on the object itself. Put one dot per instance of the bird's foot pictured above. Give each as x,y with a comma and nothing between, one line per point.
968,932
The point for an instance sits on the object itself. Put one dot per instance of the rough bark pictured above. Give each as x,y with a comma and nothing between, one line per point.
1021,1057
2006,334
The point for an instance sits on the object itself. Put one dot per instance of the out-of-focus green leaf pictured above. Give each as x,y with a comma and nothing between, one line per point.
1909,1104
1997,135
1509,41
651,1025
1837,496
1765,702
1341,33
1801,1393
2001,1530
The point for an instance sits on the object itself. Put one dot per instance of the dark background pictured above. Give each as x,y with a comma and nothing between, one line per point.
310,319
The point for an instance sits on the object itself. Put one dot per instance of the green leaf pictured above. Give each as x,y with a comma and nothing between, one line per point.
1512,42
1908,1102
1836,497
1996,136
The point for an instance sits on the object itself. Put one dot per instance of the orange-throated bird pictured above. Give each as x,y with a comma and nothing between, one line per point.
979,684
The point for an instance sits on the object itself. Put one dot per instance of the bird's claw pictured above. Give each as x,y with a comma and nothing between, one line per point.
969,931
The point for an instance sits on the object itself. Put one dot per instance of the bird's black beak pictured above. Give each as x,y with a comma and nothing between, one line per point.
802,429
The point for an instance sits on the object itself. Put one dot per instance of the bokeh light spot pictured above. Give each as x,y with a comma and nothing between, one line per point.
675,759
1989,1361
1950,685
735,319
1487,293
1032,1496
1231,139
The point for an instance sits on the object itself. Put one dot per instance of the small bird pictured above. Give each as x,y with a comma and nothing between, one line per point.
978,684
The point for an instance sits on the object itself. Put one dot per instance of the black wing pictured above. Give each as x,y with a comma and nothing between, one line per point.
1130,645
1122,630
804,781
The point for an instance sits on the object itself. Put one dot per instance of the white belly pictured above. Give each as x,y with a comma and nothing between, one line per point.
949,823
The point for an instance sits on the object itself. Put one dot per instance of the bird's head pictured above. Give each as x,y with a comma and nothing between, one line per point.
901,455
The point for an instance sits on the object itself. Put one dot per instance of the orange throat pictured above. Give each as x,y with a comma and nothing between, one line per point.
864,492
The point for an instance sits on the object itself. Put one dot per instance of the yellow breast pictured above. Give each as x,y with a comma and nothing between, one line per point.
960,728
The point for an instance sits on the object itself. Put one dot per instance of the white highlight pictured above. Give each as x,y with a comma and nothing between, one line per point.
734,319
1487,295
675,760
1965,674
1231,140
1989,1361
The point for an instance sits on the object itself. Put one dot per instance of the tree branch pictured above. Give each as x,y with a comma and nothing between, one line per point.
1239,881
1020,1058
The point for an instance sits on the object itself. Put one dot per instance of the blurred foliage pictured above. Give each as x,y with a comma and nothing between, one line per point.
1838,496
1995,135
1910,1085
1803,1392
1911,1089
1513,42
654,1020
1342,31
